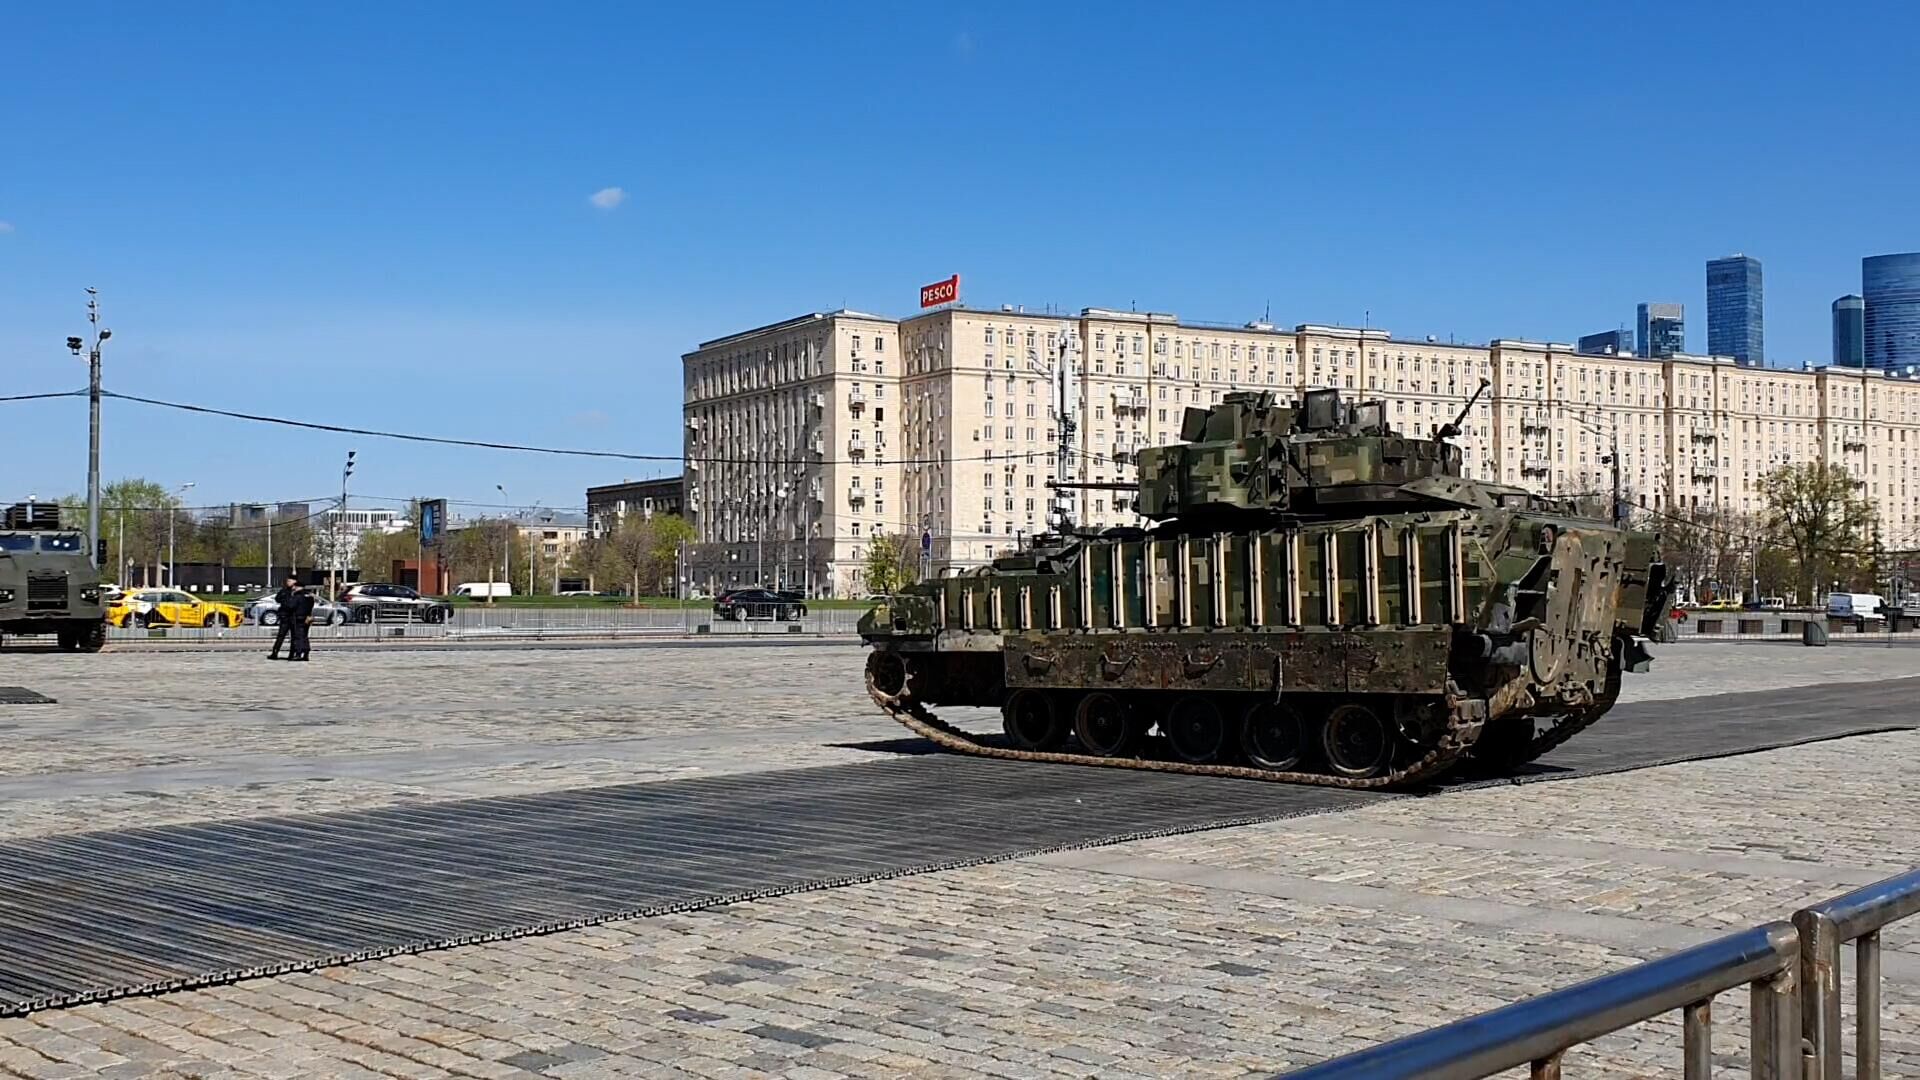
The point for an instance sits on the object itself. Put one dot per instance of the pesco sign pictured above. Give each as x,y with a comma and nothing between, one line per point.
940,292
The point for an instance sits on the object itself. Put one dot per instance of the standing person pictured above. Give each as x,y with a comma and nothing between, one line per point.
300,613
282,601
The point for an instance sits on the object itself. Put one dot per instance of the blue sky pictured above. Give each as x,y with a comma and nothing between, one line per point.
381,214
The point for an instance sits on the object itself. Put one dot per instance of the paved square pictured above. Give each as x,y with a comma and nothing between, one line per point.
1217,953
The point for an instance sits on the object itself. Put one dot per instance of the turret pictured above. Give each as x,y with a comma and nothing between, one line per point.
1251,456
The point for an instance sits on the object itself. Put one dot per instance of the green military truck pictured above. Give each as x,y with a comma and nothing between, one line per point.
48,584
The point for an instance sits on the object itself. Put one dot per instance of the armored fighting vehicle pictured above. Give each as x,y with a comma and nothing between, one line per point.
1320,599
48,584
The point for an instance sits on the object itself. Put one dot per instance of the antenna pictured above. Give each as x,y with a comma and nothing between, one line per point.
1451,429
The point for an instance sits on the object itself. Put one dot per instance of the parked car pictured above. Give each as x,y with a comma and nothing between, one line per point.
396,603
483,589
579,592
170,607
1862,608
736,604
265,610
1767,603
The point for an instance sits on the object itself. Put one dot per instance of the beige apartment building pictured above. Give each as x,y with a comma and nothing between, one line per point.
966,399
789,452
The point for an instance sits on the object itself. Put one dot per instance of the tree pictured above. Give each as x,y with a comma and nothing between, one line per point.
378,551
1818,513
218,542
889,562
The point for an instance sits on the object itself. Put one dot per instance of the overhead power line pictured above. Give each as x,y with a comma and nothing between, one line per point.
485,444
41,397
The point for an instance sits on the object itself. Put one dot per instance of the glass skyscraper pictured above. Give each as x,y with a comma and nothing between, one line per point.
1607,343
1850,332
1891,286
1663,330
1736,323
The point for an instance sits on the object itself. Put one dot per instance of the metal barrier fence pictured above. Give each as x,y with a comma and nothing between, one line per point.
479,622
1538,1032
1824,929
1793,969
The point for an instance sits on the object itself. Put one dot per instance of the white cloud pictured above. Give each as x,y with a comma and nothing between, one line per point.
5,227
608,197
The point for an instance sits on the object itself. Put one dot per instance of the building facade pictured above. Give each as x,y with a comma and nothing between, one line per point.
967,445
1606,343
1736,310
1850,332
790,467
608,503
1662,330
1890,285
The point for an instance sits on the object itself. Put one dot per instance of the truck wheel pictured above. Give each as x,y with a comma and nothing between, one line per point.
69,641
94,637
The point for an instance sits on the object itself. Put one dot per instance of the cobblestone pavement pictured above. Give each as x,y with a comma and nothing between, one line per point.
1223,953
160,737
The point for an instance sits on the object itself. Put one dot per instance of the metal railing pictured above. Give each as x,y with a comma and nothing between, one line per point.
1824,929
1794,970
1538,1032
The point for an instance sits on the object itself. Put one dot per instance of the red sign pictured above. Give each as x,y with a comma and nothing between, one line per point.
940,292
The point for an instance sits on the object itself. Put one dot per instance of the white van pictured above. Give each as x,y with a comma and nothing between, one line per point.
1860,607
481,590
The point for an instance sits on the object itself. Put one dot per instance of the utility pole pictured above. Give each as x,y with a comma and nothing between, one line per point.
506,543
75,344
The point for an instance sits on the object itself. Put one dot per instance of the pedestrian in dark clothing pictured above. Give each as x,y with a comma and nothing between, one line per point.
281,601
300,613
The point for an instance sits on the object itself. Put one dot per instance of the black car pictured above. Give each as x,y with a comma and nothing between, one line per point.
737,604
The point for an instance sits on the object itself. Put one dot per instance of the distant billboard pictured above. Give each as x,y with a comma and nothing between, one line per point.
940,292
433,520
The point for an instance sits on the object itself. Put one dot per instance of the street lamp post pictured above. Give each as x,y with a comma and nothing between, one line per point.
337,573
93,422
173,512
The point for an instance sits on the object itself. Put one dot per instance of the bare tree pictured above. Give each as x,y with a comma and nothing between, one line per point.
1819,514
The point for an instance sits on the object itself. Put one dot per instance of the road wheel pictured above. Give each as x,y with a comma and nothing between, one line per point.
1031,720
1273,736
269,618
94,637
215,621
1105,726
69,642
338,618
1195,730
800,611
1358,741
364,614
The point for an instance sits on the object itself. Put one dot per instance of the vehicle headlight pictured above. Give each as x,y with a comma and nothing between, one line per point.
90,594
6,596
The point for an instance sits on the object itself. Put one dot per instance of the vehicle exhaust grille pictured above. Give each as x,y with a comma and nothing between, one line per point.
45,591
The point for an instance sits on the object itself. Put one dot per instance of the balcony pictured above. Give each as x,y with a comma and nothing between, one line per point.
855,444
1853,447
856,497
1534,429
856,400
817,399
693,423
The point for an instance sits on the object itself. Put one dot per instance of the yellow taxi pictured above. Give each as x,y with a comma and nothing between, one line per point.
169,607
